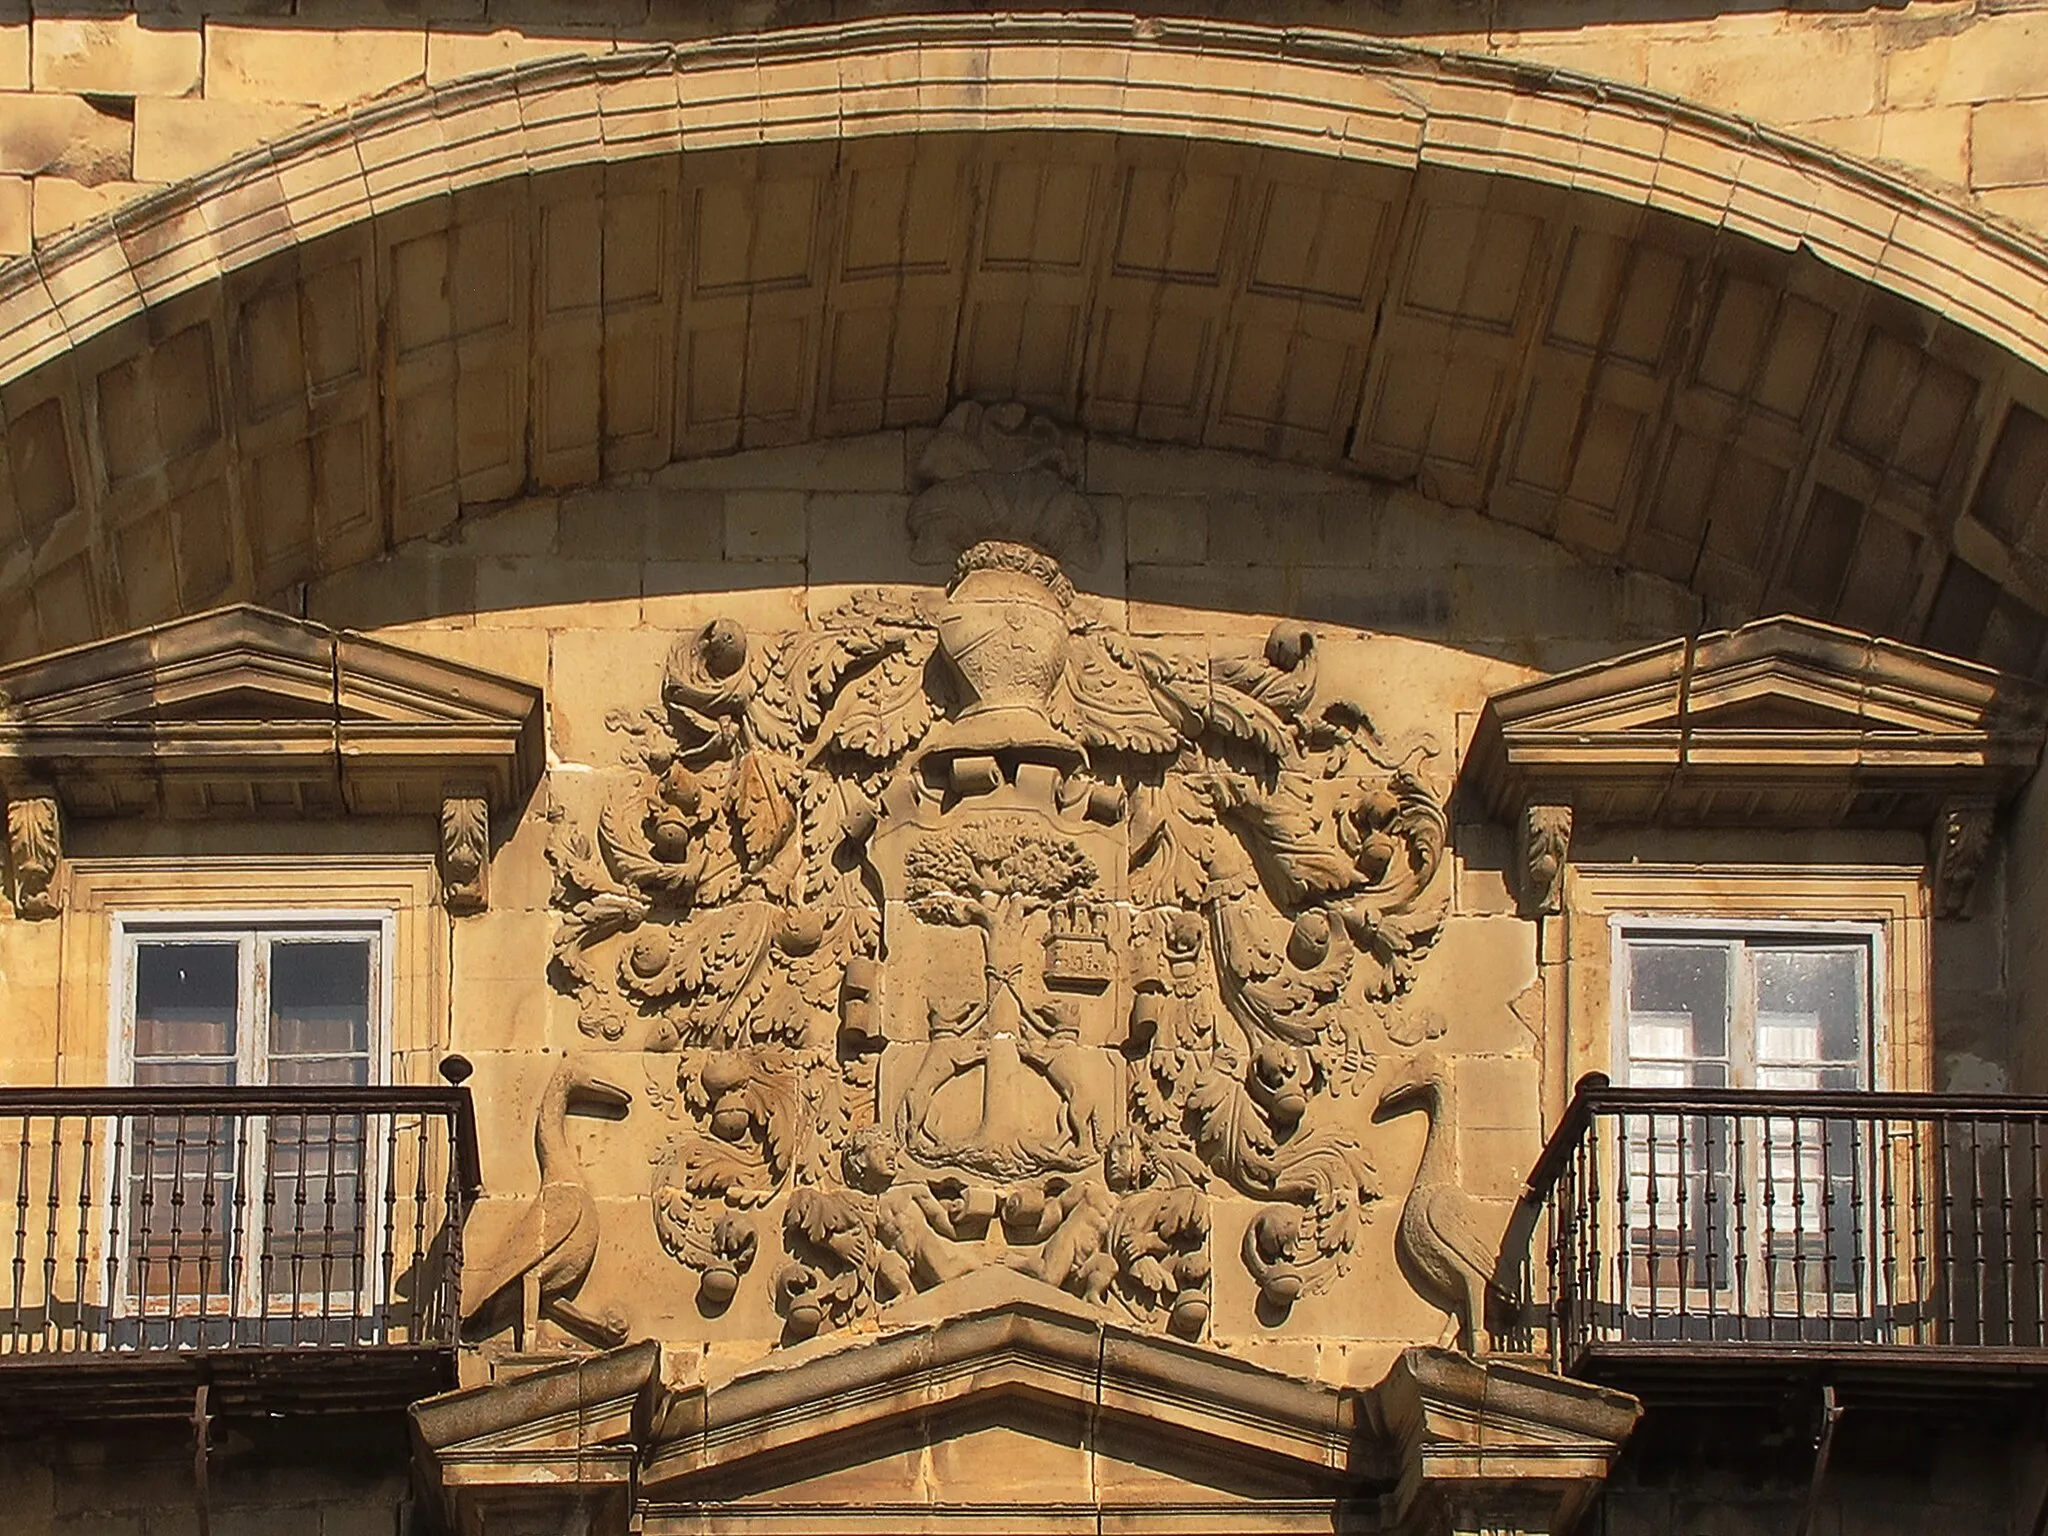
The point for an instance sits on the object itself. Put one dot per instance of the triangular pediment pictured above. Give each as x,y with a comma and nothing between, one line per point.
1028,1413
1783,721
1027,1400
247,710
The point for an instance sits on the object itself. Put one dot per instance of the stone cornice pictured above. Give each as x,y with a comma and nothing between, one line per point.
244,711
1784,722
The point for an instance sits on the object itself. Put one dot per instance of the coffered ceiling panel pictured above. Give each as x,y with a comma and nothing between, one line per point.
643,264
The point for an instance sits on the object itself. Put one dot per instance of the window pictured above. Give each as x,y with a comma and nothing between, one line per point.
1747,1010
1746,1212
229,1220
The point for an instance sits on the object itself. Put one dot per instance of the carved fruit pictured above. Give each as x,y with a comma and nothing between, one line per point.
801,932
668,837
723,645
718,1286
723,1076
1308,946
682,789
1278,1088
1375,854
650,954
1189,1317
805,1318
1281,1288
796,1297
1286,644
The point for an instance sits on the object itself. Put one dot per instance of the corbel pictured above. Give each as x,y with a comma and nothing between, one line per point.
465,853
1960,839
35,849
1542,845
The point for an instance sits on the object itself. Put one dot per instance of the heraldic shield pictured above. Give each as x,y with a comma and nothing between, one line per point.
982,933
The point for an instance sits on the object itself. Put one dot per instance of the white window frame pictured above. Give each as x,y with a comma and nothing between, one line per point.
1624,926
131,928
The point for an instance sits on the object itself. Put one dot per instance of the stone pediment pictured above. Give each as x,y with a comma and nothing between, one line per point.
1021,1410
246,711
1782,722
1022,1397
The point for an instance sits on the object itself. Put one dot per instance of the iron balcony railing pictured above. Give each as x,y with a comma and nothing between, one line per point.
1774,1223
198,1220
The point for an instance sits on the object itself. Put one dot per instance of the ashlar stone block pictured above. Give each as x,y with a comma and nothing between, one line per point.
453,54
2009,144
764,525
115,56
16,215
1788,77
14,35
319,66
61,203
64,136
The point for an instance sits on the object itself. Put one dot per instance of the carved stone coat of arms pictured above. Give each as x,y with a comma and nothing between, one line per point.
981,933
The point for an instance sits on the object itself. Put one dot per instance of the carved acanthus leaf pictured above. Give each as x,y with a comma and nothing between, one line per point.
1545,839
34,850
1960,841
465,853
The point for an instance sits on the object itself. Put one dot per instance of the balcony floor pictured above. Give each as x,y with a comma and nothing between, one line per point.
1875,1375
40,1390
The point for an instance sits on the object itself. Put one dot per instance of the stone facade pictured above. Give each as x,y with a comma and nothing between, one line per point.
1009,694
1149,1048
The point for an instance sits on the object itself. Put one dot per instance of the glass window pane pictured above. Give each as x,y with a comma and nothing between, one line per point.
158,1074
1677,1010
185,998
287,1070
1811,1004
319,999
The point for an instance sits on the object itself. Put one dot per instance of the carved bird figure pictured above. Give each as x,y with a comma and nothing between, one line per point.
1439,1242
548,1250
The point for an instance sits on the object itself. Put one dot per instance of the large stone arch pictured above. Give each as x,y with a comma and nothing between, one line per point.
1668,339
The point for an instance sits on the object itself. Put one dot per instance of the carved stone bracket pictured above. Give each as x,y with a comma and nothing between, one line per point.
1956,848
1496,1449
1542,847
35,848
465,853
554,1450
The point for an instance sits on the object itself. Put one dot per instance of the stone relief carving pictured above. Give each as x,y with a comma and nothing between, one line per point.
980,933
1001,472
550,1245
1959,842
1439,1243
34,849
1544,845
465,853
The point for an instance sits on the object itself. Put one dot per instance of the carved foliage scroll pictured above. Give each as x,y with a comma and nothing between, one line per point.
34,849
981,933
1544,845
465,853
1958,844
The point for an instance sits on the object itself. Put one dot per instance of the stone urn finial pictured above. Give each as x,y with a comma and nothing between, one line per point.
1004,629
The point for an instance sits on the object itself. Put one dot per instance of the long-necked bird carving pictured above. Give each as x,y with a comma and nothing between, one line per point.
1440,1242
549,1248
